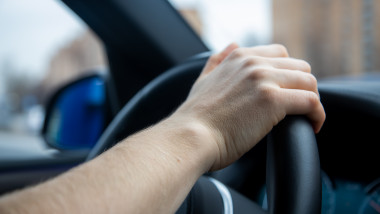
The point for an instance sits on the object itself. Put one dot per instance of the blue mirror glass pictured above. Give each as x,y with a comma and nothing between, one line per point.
76,116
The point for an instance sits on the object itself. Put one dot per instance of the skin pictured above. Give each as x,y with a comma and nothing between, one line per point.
238,98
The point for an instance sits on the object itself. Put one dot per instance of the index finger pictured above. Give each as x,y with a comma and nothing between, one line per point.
274,50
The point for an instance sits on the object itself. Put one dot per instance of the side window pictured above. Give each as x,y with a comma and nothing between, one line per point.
43,45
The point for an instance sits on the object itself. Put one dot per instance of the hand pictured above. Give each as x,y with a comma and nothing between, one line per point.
243,92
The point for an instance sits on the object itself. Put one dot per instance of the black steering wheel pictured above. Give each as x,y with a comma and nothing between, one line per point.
293,170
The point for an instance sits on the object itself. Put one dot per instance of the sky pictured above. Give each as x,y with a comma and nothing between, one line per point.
31,31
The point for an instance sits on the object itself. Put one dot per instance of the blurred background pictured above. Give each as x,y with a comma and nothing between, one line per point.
44,45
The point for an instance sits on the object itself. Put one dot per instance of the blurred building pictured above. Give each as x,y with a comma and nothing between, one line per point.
340,37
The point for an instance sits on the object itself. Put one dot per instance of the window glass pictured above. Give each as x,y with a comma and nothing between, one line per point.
219,22
336,37
43,45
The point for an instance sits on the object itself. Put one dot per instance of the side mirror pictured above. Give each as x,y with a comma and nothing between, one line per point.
76,114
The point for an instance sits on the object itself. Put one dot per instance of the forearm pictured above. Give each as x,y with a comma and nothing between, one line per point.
150,172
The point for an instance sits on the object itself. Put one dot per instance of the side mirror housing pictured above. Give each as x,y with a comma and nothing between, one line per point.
76,114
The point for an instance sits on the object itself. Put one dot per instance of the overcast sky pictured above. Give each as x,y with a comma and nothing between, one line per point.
31,31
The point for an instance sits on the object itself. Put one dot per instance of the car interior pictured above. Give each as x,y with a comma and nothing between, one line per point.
154,58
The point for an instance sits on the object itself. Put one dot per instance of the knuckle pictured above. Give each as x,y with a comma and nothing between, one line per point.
313,100
238,53
252,61
267,94
282,50
257,74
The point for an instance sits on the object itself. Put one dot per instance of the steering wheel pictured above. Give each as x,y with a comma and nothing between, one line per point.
293,170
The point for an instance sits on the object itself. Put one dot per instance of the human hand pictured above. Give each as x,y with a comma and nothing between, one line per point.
246,94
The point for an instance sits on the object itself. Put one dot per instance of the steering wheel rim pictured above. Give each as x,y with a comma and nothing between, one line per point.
293,168
141,111
284,194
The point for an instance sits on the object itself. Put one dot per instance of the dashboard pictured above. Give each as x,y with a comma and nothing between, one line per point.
349,146
343,196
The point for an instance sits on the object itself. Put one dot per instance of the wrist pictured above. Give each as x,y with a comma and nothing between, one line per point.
196,141
177,151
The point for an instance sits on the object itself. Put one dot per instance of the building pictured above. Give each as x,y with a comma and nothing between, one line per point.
340,37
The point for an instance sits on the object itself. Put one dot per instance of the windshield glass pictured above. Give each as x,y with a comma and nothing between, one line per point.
335,37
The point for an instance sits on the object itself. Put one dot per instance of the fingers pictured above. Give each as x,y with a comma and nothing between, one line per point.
301,102
274,50
298,91
290,63
233,49
293,79
285,72
280,63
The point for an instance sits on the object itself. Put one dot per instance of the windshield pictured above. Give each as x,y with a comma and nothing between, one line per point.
335,37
